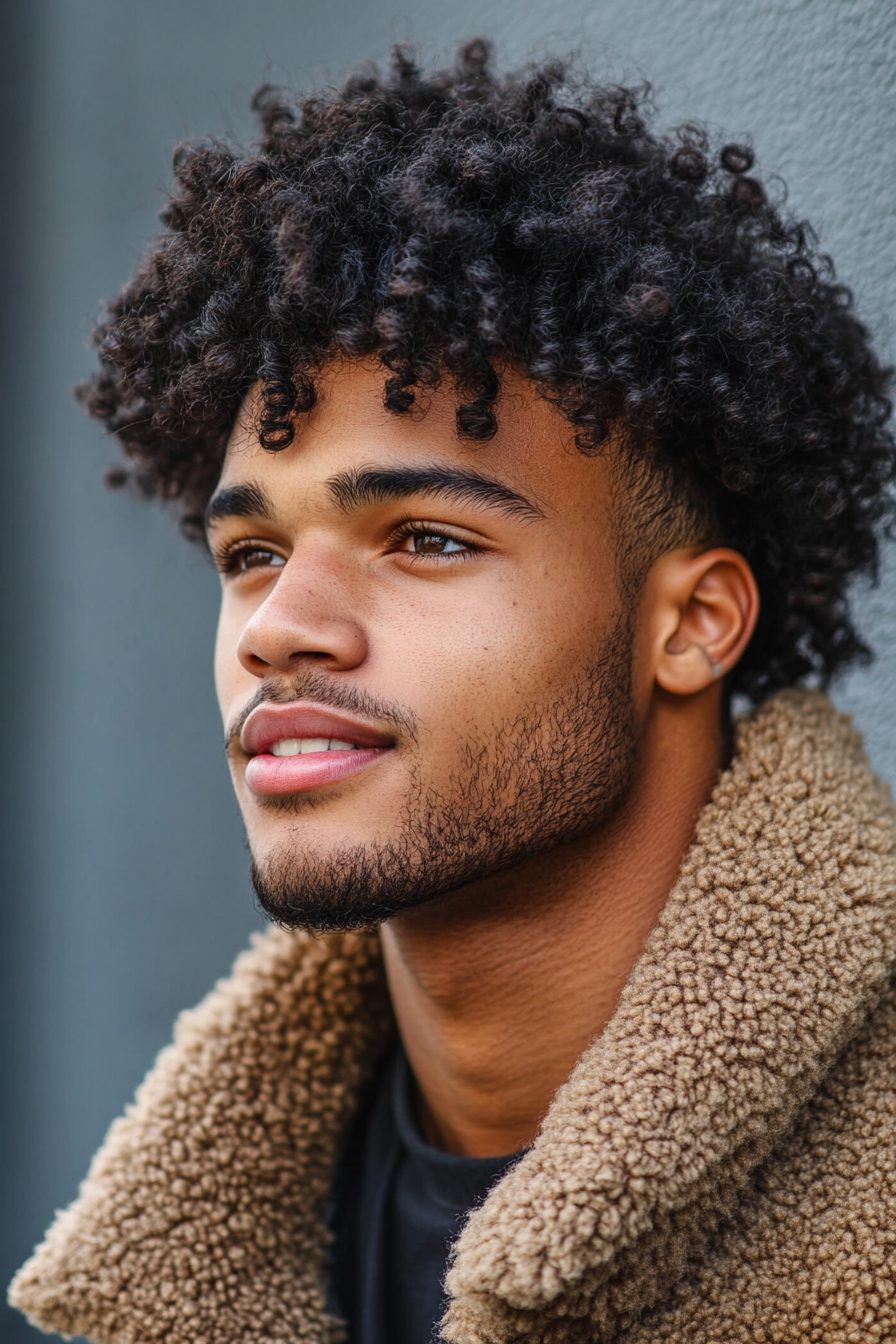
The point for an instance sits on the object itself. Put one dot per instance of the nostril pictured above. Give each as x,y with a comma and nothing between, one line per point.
274,640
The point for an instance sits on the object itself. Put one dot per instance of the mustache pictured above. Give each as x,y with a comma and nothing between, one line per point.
323,691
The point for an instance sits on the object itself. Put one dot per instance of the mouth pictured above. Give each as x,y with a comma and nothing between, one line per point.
300,746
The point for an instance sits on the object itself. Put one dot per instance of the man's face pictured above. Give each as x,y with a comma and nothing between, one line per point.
424,660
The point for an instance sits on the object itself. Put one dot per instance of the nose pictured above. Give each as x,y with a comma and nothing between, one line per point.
301,621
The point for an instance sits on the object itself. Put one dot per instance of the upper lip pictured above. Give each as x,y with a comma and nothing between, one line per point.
274,722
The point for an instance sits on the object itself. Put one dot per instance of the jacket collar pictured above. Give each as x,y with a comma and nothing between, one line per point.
201,1219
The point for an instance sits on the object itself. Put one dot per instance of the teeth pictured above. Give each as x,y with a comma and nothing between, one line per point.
290,746
301,746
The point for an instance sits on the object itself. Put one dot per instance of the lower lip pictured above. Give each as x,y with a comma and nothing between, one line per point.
267,774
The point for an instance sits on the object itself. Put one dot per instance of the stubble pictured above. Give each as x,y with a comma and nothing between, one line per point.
556,772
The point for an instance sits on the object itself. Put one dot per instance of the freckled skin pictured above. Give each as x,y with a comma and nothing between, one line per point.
497,986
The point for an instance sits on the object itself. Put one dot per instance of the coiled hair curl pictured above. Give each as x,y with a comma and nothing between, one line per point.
448,222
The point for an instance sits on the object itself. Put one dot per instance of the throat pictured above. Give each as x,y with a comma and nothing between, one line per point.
500,987
495,1003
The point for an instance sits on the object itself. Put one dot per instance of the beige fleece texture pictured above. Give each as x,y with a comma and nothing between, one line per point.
720,1167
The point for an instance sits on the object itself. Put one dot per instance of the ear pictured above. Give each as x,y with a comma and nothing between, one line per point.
705,608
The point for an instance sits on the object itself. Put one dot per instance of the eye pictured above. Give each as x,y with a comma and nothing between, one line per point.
427,541
435,543
241,558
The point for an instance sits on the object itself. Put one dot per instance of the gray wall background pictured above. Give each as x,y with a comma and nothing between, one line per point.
125,875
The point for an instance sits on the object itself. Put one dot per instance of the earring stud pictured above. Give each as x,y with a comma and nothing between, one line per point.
715,668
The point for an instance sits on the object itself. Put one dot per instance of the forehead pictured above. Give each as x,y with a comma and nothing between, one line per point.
349,427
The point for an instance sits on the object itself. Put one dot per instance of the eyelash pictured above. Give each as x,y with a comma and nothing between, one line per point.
412,528
227,558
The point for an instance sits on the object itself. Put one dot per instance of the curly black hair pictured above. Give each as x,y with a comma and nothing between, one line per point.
451,222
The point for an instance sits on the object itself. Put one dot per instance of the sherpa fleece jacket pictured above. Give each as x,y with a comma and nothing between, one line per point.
719,1168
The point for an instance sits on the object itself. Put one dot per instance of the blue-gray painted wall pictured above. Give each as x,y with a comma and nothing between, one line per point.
125,891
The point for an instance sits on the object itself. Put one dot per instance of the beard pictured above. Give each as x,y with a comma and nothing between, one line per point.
550,776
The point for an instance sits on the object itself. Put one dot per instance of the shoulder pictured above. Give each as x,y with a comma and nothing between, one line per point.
809,1254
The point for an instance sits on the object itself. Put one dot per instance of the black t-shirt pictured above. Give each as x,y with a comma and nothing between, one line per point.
398,1205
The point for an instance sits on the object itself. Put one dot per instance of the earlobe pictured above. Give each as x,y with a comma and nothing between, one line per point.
710,603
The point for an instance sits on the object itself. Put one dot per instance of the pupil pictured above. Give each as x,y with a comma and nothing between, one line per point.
431,543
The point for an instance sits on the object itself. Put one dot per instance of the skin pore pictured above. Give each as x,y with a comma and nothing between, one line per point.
438,594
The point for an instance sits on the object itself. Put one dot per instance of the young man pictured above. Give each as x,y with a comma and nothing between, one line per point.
523,438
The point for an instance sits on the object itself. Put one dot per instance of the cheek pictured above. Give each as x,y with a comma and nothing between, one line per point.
495,653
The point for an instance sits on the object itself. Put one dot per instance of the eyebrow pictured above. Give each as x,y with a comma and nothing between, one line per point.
376,485
238,501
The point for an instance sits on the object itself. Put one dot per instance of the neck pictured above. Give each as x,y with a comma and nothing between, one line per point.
498,988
